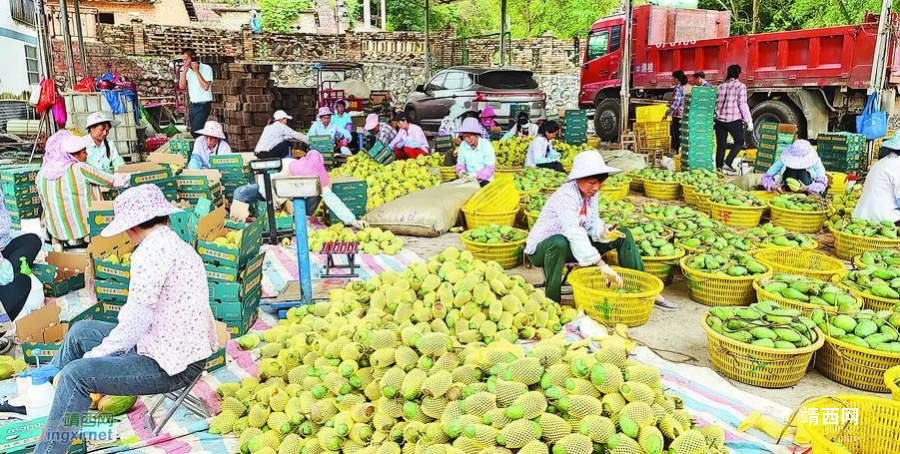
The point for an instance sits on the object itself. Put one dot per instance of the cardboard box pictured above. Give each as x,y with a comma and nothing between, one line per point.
62,273
100,214
147,173
20,174
22,437
41,329
232,161
101,247
240,327
112,292
217,360
211,227
225,275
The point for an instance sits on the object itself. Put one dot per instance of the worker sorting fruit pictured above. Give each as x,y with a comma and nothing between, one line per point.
522,128
210,143
880,196
101,154
799,168
278,138
540,152
327,128
66,184
410,141
476,154
165,330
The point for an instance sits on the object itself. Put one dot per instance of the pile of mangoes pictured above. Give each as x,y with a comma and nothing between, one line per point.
656,248
651,174
670,211
534,203
779,236
493,234
534,178
842,206
613,212
865,328
799,202
643,228
733,196
885,258
764,324
807,290
866,228
715,240
734,264
568,152
511,153
616,181
697,176
880,282
715,190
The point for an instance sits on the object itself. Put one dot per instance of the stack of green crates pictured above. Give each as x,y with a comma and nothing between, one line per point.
325,146
383,155
697,136
183,147
575,131
352,192
20,193
773,139
235,172
236,303
843,152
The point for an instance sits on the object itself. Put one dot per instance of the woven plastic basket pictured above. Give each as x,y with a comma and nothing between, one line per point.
508,255
690,195
876,429
847,246
499,196
718,290
605,305
811,247
662,267
549,190
448,173
475,219
890,380
508,169
857,367
531,217
870,301
798,221
637,184
766,196
759,366
662,190
801,262
732,216
616,193
806,308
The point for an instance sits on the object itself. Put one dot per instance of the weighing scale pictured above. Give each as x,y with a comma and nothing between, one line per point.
266,167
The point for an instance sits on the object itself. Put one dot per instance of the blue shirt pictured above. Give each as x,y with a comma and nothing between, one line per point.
255,25
318,129
477,159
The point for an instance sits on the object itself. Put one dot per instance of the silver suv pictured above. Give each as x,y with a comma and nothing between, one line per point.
507,90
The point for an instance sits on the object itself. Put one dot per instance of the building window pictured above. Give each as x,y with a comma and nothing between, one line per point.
31,64
106,18
22,11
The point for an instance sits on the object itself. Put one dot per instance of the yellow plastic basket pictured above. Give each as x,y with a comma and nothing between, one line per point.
806,308
857,367
637,184
847,246
662,190
605,305
719,290
448,173
759,366
870,301
798,221
732,216
691,196
837,181
890,380
616,193
508,255
531,218
801,262
650,114
549,190
765,196
475,219
662,267
811,247
499,196
875,433
508,169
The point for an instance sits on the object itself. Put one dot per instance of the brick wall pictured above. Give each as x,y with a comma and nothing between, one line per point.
169,12
153,75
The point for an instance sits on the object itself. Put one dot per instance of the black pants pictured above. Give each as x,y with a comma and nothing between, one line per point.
736,130
14,294
552,165
675,133
199,113
279,151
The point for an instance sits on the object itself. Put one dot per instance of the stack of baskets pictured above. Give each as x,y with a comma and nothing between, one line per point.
448,173
497,203
606,304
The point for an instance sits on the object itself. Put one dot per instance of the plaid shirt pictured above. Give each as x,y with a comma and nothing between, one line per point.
676,107
386,133
731,104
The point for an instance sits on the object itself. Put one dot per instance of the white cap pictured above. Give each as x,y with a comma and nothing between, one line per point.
281,115
588,164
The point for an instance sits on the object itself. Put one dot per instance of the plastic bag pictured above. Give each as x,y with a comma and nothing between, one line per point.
48,96
59,111
872,123
86,85
429,213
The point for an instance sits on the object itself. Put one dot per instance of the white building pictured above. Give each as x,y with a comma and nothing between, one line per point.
18,47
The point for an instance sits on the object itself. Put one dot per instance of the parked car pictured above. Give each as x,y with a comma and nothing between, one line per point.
507,90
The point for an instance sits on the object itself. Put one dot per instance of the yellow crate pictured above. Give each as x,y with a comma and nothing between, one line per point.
650,114
890,380
798,221
616,193
805,308
655,129
606,305
662,267
508,255
800,262
870,301
837,181
857,367
475,219
847,246
448,173
733,216
499,196
876,432
719,290
662,190
758,366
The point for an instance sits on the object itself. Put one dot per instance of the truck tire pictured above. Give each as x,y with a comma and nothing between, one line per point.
772,110
606,120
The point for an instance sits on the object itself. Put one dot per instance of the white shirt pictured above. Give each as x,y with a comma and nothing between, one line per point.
276,133
878,201
195,91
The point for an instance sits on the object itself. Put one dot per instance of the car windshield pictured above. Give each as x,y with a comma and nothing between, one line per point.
508,80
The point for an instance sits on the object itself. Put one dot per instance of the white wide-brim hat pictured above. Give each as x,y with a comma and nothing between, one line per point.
281,115
137,205
212,129
372,121
588,164
97,118
74,144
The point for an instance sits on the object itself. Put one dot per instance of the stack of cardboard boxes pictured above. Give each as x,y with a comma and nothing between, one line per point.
773,139
575,130
843,152
353,192
697,138
20,193
235,170
194,185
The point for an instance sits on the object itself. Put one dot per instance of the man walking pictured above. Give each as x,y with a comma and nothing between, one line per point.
700,79
197,78
732,117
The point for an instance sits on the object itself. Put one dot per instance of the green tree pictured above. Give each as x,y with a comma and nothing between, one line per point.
279,16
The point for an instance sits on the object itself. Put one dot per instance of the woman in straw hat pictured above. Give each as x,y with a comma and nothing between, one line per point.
569,229
210,143
100,153
476,154
66,184
880,198
165,330
324,126
800,162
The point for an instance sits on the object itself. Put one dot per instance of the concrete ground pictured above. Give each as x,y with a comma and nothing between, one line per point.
676,331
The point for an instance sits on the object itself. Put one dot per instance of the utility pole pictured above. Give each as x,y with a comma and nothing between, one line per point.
383,14
80,35
879,63
503,49
625,70
67,42
427,43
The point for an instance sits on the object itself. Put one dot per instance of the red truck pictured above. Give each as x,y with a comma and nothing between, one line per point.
816,79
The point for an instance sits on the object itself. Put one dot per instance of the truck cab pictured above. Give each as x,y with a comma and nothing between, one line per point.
600,74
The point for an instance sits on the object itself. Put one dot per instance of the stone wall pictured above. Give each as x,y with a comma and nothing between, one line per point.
400,80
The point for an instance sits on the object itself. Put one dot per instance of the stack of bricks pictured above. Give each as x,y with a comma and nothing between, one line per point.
242,101
299,103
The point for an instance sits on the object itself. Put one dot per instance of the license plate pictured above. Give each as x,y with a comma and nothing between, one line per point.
514,109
